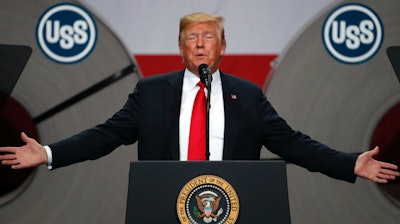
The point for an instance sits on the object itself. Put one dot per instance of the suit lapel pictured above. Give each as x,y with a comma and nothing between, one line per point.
172,102
231,104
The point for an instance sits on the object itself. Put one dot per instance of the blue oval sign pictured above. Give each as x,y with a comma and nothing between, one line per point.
352,33
66,33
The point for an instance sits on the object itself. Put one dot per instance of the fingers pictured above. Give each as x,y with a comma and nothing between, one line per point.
380,181
10,153
13,163
7,157
389,166
386,176
393,174
381,178
17,167
7,150
387,172
10,162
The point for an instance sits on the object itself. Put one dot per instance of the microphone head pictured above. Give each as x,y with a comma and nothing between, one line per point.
204,71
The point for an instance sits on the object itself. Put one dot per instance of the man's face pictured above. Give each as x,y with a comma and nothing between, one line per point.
201,43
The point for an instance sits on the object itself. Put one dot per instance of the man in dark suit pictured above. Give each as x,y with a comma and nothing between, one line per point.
157,115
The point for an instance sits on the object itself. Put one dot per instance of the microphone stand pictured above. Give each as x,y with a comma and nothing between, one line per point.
206,78
208,106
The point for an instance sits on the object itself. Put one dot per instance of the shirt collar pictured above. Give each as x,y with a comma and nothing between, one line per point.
190,80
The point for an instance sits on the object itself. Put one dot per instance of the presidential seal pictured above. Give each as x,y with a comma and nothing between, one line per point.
207,199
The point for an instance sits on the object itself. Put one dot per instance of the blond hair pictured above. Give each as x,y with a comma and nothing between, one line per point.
201,17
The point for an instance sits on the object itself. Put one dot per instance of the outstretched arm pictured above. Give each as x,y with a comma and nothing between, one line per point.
32,154
369,168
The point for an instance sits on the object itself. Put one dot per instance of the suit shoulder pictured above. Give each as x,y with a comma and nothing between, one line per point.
239,82
161,77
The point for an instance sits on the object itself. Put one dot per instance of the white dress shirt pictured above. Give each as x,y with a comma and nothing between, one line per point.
217,115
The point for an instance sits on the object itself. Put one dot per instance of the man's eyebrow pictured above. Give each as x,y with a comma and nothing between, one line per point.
201,32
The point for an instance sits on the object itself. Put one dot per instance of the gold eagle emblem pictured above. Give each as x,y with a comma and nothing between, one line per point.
208,203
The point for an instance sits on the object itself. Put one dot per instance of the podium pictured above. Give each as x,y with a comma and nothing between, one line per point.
207,192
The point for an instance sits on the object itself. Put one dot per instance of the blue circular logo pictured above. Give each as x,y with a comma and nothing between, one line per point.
352,33
66,33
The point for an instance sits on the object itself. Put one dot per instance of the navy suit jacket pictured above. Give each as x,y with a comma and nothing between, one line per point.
151,117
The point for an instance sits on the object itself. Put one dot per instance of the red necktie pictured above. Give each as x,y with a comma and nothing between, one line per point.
197,136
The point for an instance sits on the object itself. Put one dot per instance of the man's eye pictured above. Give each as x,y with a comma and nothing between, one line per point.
191,38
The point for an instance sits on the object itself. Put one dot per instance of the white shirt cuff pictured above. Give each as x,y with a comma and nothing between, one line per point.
49,157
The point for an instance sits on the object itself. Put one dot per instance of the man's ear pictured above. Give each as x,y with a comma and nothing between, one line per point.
222,51
180,49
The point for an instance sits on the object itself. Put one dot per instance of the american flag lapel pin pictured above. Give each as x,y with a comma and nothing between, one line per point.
233,96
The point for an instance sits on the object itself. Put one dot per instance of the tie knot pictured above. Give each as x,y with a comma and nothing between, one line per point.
201,85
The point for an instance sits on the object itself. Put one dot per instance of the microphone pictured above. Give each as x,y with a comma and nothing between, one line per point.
205,74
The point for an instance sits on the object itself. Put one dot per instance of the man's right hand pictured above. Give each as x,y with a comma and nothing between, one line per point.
30,155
